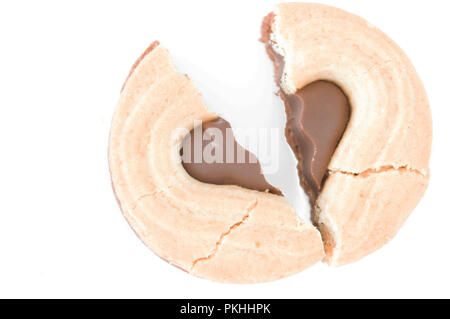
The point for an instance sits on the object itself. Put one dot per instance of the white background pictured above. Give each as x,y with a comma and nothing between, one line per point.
62,64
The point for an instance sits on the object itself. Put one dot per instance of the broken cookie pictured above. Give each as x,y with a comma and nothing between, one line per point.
359,125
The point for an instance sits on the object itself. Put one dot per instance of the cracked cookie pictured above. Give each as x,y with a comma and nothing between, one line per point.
358,123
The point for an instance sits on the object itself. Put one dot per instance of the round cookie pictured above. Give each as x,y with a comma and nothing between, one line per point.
379,170
376,176
223,233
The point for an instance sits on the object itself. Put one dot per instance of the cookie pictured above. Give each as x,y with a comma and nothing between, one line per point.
225,233
359,124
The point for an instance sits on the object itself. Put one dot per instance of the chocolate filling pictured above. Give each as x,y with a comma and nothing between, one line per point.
234,165
317,116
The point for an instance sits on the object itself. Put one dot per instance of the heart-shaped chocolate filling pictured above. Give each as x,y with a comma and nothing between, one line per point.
213,156
317,116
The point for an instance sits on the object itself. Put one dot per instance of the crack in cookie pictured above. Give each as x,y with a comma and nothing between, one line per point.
251,207
383,169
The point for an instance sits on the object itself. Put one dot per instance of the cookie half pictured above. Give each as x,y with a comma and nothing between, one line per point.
378,171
